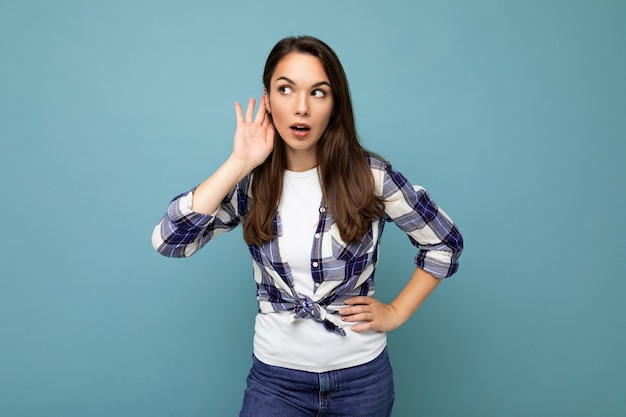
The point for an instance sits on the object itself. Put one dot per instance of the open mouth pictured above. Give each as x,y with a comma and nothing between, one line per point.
300,127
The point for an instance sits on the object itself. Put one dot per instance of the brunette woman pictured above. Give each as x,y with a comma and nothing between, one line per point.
313,202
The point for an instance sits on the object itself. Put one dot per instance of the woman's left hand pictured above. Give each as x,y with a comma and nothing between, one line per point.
373,314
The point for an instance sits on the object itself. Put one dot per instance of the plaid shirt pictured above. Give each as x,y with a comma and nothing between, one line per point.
340,270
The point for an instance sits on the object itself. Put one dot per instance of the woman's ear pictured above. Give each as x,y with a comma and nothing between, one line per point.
267,101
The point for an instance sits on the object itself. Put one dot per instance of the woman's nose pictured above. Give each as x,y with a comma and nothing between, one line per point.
302,105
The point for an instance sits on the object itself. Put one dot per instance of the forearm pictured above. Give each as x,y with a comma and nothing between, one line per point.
208,195
191,220
376,315
414,293
253,142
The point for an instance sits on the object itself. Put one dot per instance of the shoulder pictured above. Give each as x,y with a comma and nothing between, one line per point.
381,172
377,162
388,181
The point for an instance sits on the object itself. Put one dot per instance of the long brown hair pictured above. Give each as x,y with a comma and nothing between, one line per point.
345,175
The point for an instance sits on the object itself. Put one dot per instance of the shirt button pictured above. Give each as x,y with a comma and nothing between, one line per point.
315,264
317,284
317,236
322,209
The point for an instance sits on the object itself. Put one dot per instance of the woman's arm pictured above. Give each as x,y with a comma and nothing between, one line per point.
254,140
376,315
191,219
430,229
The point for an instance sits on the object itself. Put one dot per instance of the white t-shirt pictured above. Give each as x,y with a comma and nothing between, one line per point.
305,344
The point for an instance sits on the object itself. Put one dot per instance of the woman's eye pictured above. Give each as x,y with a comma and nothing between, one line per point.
318,93
285,90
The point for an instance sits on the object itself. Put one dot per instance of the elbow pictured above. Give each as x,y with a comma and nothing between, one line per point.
457,248
159,245
461,244
158,242
170,247
454,243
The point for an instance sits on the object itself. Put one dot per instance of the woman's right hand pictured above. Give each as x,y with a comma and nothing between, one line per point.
254,138
254,141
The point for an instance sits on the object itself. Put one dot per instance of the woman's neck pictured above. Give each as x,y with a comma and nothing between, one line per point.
301,161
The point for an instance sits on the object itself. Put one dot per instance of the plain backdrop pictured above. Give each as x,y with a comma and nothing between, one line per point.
512,114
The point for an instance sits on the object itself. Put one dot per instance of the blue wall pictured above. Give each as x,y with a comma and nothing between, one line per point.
511,114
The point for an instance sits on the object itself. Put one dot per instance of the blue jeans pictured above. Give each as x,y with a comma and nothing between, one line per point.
361,391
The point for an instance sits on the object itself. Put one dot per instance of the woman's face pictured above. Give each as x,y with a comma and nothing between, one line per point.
301,103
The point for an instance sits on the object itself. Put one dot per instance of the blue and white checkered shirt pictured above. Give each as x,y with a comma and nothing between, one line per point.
339,270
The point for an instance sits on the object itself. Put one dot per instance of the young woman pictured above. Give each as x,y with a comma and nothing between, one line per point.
313,203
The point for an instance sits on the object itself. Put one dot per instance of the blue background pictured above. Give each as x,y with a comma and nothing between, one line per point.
512,114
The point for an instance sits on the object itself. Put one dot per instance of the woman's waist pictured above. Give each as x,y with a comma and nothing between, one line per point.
304,344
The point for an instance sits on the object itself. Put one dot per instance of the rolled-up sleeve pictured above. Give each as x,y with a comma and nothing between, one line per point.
182,231
428,227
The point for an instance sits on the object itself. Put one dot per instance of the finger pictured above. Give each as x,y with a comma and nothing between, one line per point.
358,317
270,132
261,113
361,327
346,311
361,299
250,110
238,113
357,313
267,121
349,311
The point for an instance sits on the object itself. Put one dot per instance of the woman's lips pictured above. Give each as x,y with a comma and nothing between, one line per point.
300,130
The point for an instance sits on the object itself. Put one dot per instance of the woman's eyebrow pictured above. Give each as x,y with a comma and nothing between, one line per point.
289,81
